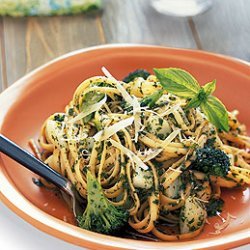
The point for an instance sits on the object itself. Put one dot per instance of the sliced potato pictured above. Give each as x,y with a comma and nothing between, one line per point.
192,216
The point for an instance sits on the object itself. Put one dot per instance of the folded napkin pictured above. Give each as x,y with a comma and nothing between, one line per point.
46,7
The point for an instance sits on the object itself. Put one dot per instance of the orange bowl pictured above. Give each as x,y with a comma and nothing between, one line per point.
29,101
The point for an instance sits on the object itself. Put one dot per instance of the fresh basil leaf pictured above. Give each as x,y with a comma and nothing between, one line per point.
202,96
209,88
178,82
195,102
198,99
216,112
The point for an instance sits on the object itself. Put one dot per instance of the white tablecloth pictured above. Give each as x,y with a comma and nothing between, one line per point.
17,234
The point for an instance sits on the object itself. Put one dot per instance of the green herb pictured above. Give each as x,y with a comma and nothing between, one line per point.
156,202
71,111
215,205
59,118
181,83
151,99
135,74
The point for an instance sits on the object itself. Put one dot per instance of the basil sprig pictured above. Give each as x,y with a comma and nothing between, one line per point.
181,83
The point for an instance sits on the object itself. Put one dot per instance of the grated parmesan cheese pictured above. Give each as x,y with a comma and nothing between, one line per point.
111,130
170,138
170,110
208,222
134,158
131,100
201,200
107,73
152,154
175,170
90,110
219,227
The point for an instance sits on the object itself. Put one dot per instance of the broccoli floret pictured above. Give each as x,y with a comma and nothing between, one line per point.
215,205
211,161
137,73
101,215
210,142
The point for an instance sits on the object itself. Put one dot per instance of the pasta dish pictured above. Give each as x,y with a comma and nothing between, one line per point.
151,152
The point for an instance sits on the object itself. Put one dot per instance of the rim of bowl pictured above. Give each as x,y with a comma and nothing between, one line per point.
11,197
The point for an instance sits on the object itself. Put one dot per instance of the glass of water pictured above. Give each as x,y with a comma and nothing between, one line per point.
181,8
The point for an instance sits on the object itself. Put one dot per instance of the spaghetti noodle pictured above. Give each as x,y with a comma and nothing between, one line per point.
142,156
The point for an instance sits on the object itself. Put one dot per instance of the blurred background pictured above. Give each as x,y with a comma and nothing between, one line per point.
28,42
221,26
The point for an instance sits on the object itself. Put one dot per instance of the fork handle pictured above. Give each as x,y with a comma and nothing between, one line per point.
26,159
